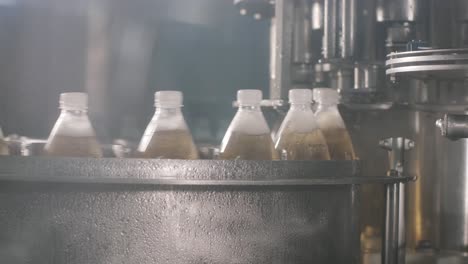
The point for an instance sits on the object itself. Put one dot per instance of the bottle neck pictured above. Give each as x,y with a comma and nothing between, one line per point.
301,107
74,111
326,106
160,110
253,108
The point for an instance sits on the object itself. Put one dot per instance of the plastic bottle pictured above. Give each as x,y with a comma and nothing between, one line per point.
167,135
332,125
299,137
73,135
4,150
248,136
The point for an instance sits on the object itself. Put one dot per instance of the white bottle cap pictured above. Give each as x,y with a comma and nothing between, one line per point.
249,97
300,96
168,99
326,96
78,101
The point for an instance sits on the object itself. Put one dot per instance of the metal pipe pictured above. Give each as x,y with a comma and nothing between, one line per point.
366,36
394,241
302,52
284,19
330,29
274,87
401,243
399,10
347,28
317,15
390,240
453,126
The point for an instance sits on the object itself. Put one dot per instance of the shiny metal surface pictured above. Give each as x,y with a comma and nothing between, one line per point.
330,29
436,64
390,245
317,14
280,79
453,126
453,212
302,52
186,172
368,77
438,87
395,223
366,33
422,194
340,23
89,224
348,26
150,222
398,10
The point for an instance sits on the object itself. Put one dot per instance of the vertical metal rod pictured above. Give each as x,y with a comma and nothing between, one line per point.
284,24
302,52
348,28
401,224
366,37
394,241
390,239
330,29
273,80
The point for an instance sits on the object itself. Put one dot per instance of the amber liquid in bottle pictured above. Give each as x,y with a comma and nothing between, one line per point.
170,144
68,146
249,147
303,146
339,144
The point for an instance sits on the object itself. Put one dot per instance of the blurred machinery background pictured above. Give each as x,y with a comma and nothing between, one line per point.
399,65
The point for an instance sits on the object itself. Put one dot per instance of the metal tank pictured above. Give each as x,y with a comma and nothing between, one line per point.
66,210
438,198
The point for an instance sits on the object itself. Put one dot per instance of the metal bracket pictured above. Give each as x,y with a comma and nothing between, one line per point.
453,127
396,148
394,241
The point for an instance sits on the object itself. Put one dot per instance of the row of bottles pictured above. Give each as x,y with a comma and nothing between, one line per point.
303,135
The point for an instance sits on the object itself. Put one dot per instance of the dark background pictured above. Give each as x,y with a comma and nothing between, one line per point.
121,52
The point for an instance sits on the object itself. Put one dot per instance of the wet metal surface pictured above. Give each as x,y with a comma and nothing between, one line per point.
44,222
185,172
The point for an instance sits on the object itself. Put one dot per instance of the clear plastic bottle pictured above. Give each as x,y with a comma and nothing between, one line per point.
167,135
4,150
332,125
299,137
73,135
248,136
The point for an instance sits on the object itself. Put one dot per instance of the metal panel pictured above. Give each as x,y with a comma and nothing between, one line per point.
137,222
453,172
422,194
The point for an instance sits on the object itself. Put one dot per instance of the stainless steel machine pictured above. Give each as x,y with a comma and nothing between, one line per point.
400,65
